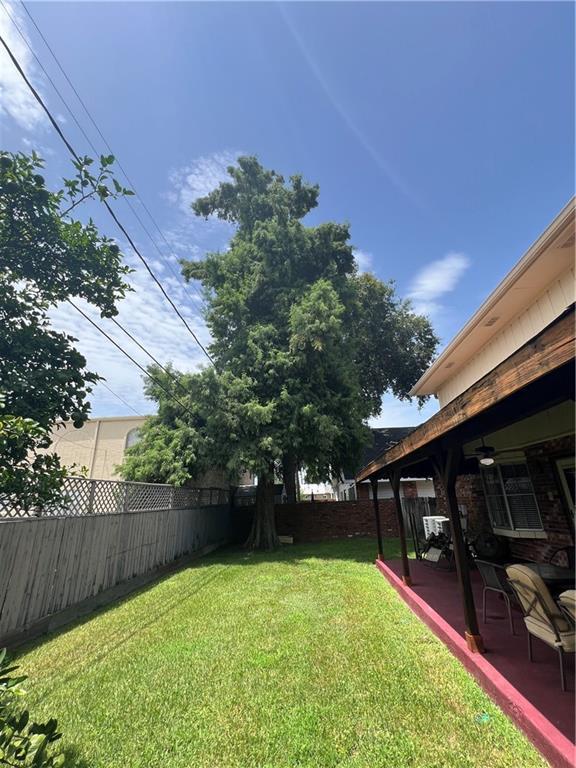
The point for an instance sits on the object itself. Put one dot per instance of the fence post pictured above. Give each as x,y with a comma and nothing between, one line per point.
91,497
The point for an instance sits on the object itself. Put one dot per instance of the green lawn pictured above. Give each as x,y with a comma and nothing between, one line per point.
304,658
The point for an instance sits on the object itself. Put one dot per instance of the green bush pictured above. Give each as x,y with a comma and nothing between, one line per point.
23,742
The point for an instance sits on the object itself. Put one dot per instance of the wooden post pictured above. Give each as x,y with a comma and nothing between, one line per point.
374,483
394,477
446,467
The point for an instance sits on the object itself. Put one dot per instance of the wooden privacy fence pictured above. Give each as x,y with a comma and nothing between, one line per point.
82,496
50,565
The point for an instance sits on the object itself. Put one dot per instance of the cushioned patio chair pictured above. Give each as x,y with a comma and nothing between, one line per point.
494,578
542,616
567,602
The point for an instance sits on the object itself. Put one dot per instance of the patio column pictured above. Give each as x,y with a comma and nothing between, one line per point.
446,467
394,477
374,484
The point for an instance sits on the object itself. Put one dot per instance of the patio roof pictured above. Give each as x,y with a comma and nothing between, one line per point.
475,411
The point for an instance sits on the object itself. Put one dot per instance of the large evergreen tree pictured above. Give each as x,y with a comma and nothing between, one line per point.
304,346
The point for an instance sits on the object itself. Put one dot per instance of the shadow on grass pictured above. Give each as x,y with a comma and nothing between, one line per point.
358,549
73,758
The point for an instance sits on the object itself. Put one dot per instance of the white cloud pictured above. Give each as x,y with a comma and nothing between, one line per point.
145,312
16,100
363,260
149,317
435,280
199,178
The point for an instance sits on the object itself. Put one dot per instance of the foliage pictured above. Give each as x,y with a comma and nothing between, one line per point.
305,657
23,742
28,479
47,256
304,346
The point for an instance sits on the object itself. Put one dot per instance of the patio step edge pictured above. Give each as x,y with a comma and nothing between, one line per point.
548,740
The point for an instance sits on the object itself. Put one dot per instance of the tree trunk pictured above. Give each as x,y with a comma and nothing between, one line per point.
289,469
263,534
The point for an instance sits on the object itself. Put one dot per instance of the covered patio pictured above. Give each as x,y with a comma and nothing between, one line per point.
501,452
505,654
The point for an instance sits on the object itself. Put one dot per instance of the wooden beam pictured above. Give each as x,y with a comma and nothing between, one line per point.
551,349
395,483
374,483
446,465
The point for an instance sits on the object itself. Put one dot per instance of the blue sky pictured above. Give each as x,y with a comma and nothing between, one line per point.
443,132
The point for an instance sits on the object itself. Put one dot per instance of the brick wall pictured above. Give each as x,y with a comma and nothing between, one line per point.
470,494
318,521
541,459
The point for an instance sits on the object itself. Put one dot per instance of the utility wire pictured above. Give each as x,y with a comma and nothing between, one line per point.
109,148
119,397
105,202
171,395
150,355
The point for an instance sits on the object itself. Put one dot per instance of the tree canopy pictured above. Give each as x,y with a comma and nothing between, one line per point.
304,346
46,256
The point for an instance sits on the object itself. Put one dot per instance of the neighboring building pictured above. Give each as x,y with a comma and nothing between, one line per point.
98,446
383,438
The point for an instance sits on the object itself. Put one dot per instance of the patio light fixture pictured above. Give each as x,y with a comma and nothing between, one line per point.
486,461
486,454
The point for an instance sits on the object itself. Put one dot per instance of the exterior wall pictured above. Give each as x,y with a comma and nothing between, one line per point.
559,295
554,512
98,445
311,521
470,495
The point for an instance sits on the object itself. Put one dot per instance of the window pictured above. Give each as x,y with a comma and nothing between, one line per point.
511,501
132,437
568,479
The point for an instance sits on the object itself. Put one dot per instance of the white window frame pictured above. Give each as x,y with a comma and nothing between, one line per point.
561,464
129,434
513,532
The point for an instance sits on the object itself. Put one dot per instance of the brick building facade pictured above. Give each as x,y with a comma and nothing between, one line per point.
555,513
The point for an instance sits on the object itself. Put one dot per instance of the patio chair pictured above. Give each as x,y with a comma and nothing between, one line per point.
542,616
494,578
567,602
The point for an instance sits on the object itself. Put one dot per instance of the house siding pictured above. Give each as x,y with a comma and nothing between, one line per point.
549,305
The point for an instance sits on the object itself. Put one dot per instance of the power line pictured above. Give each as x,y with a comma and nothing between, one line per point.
105,202
150,355
119,397
106,143
128,355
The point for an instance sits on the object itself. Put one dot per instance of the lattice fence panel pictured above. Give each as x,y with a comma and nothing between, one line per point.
107,497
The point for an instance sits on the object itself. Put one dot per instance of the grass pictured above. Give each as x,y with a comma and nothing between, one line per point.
304,658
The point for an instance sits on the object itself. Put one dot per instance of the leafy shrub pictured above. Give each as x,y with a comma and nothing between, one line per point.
23,742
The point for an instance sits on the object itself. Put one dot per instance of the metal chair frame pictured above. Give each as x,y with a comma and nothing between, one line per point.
500,589
537,600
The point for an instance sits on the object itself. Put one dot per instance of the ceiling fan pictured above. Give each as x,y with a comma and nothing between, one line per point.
486,453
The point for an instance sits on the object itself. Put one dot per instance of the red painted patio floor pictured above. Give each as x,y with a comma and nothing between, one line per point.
537,681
